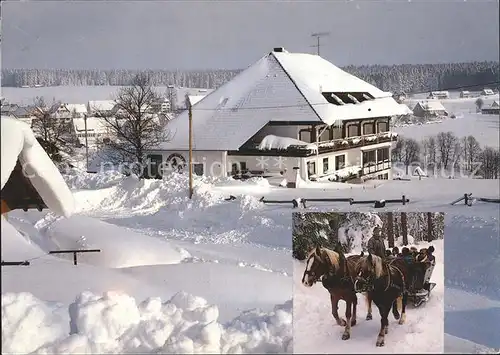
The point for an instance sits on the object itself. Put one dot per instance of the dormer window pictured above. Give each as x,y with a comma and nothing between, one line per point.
342,98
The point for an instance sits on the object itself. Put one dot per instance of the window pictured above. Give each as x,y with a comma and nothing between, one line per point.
325,134
198,169
311,168
342,98
336,133
383,126
383,176
382,155
369,157
353,130
340,162
368,128
325,165
238,168
305,135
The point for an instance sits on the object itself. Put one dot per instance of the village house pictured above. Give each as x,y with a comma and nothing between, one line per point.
429,109
487,92
439,95
290,114
465,94
103,107
67,111
493,109
95,131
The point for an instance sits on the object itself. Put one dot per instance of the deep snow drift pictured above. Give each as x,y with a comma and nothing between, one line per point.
116,323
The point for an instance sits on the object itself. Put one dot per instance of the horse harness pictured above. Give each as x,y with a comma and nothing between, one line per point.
343,269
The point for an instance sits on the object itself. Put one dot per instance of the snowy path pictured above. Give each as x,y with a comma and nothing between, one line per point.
315,330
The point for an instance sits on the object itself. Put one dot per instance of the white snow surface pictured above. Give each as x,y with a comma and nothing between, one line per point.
315,330
19,142
116,323
276,142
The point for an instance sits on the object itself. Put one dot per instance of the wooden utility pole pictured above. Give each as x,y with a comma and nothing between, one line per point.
390,230
430,227
86,143
318,36
404,227
190,162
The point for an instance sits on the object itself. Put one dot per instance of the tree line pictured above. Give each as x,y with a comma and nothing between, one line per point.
353,229
410,78
448,152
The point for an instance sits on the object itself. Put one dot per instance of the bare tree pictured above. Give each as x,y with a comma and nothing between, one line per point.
472,151
410,152
390,230
446,142
479,104
490,163
404,227
133,128
430,227
53,134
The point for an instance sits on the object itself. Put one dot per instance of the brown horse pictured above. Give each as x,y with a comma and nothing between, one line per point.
336,273
385,283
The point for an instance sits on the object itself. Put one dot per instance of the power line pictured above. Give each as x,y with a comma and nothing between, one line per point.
327,103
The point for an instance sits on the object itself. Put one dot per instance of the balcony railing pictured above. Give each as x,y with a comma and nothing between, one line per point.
323,146
376,167
355,142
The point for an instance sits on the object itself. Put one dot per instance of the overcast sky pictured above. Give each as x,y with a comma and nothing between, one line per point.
233,34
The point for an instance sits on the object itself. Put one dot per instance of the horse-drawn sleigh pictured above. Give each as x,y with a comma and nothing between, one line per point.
387,282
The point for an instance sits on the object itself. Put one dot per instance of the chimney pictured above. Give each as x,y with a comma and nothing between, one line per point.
278,49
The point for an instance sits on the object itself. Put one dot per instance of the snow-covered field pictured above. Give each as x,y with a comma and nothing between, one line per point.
210,275
467,122
315,330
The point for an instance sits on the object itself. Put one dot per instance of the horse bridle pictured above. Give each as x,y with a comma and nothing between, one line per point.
317,278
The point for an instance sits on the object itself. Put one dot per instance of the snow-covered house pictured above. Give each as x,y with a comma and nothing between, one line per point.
439,95
105,107
429,109
487,92
29,177
70,111
493,109
95,132
286,112
465,94
196,94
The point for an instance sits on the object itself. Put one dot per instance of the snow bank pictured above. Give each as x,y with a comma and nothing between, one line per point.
77,180
164,206
149,195
114,323
119,247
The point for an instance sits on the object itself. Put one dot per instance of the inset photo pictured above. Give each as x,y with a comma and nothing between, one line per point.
368,282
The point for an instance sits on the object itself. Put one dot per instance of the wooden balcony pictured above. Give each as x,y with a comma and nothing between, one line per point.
322,147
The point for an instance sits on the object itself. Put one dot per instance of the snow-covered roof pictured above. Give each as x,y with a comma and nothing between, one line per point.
495,104
431,105
406,109
19,142
78,108
195,98
94,124
279,87
101,105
